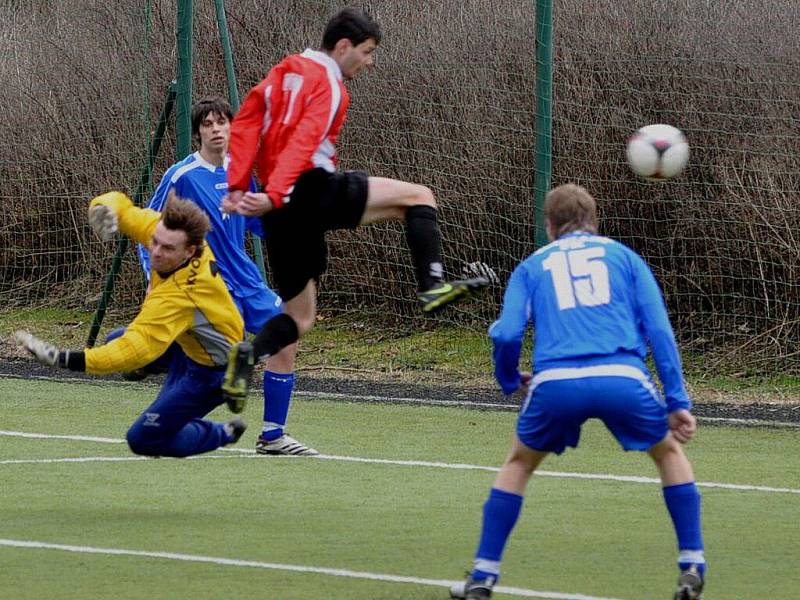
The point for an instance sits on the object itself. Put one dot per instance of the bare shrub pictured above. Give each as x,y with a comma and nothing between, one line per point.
451,104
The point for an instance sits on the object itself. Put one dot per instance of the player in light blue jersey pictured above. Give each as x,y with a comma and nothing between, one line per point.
202,178
594,305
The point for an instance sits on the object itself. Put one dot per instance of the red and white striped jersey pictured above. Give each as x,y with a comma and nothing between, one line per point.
288,124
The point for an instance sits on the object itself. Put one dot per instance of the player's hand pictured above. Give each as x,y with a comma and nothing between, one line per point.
683,425
480,269
230,203
103,220
525,382
42,351
254,204
523,387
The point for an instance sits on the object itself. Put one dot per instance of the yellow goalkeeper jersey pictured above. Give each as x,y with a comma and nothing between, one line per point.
191,306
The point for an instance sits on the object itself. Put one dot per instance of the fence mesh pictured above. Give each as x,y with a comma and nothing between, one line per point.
450,103
722,237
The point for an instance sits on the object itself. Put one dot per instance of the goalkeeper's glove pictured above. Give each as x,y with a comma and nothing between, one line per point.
104,221
47,354
42,351
480,269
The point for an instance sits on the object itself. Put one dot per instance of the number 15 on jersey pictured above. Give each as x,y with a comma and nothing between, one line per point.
580,277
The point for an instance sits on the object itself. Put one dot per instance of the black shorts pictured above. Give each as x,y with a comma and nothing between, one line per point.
294,235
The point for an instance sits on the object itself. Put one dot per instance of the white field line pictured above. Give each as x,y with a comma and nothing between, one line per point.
409,400
249,453
406,400
100,459
49,436
232,562
761,422
509,407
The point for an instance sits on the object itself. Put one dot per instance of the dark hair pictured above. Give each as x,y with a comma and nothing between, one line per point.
352,24
570,207
186,216
202,108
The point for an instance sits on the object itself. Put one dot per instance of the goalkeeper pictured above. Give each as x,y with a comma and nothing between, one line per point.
188,304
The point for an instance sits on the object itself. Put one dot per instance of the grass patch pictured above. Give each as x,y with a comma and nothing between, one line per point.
346,348
601,538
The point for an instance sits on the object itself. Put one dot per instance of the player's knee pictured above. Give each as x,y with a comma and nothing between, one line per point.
524,459
667,450
304,324
424,196
140,442
303,319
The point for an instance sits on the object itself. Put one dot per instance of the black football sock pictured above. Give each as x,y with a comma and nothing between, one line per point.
277,333
425,243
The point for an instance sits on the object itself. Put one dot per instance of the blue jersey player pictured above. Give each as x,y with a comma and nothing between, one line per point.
594,306
202,178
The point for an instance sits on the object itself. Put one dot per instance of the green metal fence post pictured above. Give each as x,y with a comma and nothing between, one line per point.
543,158
227,53
141,189
233,95
183,117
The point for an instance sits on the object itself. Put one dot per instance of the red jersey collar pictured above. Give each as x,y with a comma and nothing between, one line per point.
324,60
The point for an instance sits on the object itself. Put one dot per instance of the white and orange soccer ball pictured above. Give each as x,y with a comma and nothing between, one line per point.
658,152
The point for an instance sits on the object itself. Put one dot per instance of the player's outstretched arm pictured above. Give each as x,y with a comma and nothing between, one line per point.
114,211
128,352
45,352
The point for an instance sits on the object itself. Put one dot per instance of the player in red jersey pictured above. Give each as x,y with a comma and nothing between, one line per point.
287,129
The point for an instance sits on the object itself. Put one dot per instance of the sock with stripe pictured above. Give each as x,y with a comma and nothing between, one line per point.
500,514
425,243
278,389
683,504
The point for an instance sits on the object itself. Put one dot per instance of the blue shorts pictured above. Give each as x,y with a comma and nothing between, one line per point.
258,307
173,424
561,400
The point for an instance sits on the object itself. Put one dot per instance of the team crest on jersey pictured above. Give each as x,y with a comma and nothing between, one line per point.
214,267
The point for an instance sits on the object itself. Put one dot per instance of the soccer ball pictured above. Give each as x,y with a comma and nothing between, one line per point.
658,152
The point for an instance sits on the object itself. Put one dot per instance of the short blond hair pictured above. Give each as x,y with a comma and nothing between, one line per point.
570,207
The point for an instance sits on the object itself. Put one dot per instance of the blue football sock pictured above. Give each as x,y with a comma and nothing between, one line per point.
683,504
500,514
278,389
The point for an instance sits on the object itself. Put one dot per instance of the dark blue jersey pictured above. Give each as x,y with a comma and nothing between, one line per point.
591,300
195,179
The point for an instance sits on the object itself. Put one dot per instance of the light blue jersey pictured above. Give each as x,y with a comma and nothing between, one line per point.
205,184
591,301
